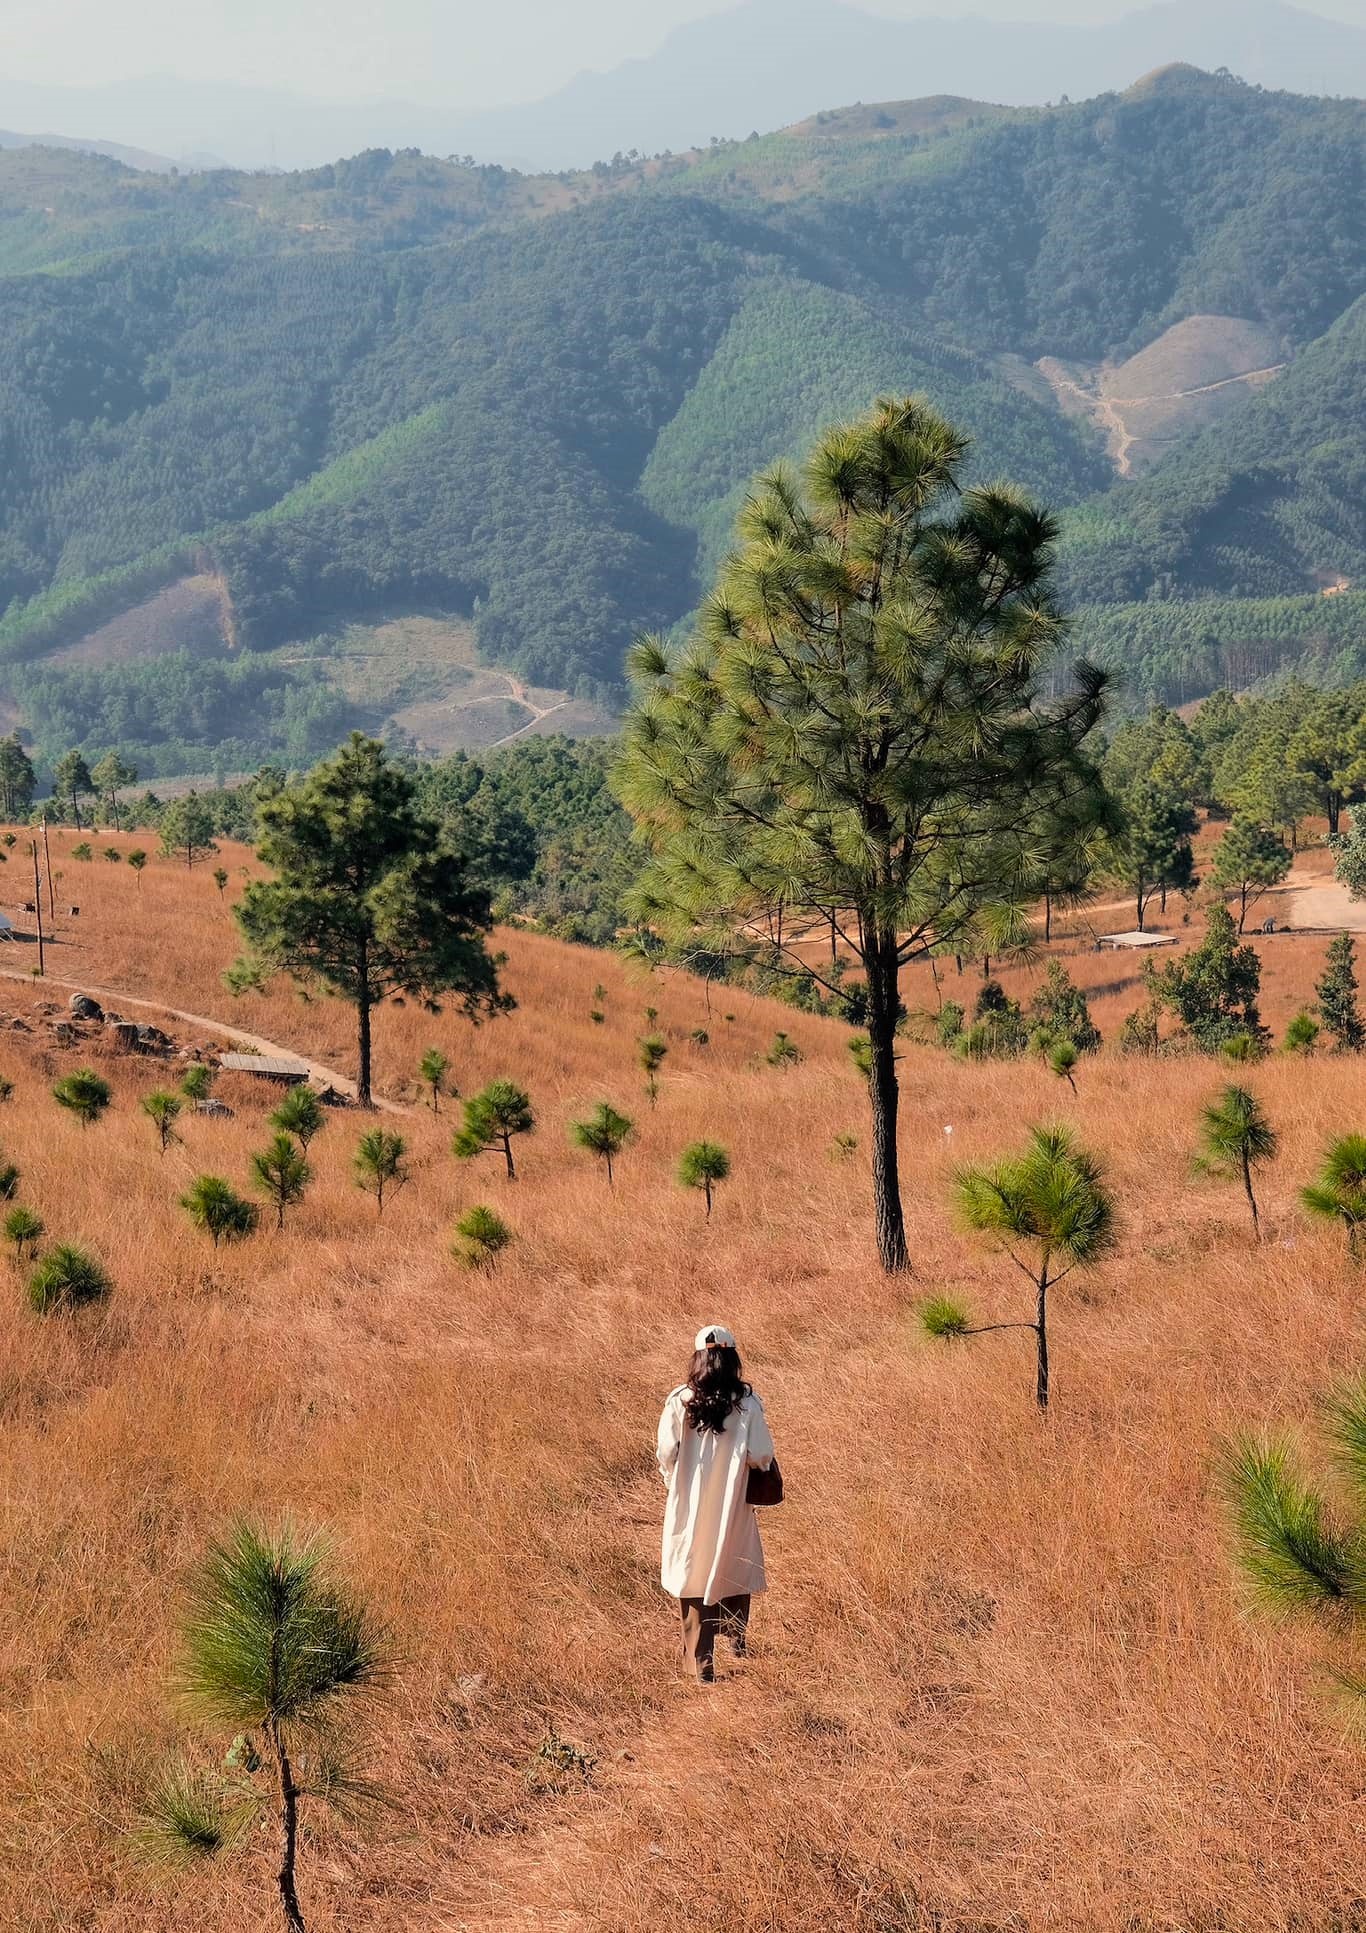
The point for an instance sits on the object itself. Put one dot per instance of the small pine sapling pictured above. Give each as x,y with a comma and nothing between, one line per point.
783,1051
652,1051
84,1094
481,1237
1300,1552
301,1114
603,1133
1340,1192
274,1649
1237,1138
379,1164
197,1082
23,1231
282,1174
492,1117
215,1207
1301,1033
1049,1204
703,1165
861,1053
66,1279
432,1071
163,1111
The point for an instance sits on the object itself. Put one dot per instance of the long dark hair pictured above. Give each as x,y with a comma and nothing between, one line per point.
715,1386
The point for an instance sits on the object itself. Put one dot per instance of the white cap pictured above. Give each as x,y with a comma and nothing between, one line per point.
714,1333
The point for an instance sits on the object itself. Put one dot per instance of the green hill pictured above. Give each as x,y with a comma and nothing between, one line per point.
407,385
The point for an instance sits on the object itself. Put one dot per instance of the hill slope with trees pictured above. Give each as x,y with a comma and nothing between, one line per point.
406,384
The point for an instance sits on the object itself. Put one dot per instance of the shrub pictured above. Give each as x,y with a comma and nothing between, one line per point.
783,1052
84,1094
9,1180
482,1237
1060,1007
949,1023
67,1278
1213,991
1301,1033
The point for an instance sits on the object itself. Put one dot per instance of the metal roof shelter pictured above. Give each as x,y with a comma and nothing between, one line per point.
273,1067
1138,940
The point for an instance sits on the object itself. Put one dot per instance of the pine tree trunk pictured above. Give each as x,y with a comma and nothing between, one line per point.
1242,910
1334,813
363,1028
1048,919
706,1190
1041,1338
884,1096
289,1833
1251,1199
507,1155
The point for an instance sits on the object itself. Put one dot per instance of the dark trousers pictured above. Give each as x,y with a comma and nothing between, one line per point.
701,1622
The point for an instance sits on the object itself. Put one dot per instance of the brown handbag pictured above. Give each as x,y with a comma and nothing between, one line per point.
765,1487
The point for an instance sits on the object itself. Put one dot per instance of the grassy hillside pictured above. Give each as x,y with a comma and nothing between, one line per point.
399,384
1000,1679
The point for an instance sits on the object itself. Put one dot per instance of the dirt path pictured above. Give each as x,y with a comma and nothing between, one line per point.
116,998
1315,902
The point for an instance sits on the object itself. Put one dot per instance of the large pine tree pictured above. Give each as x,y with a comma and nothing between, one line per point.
861,732
365,896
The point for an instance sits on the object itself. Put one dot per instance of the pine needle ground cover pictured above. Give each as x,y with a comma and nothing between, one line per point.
1001,1680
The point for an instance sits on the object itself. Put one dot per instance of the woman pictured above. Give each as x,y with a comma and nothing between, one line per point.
711,1435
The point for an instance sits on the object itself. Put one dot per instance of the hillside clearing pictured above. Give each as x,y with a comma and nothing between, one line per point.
999,1682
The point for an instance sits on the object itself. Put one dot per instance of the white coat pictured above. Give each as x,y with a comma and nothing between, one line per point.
711,1533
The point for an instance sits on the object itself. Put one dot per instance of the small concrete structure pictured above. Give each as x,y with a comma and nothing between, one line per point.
1136,940
270,1067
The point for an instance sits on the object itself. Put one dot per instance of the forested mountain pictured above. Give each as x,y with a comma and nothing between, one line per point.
401,384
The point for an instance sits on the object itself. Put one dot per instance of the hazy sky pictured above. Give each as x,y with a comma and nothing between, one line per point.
455,52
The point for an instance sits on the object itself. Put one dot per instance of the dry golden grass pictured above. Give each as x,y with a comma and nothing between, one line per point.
1000,1681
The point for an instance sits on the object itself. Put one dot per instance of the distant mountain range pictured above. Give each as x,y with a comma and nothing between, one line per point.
280,452
760,65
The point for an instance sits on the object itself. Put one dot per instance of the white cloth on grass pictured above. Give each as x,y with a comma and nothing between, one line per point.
711,1533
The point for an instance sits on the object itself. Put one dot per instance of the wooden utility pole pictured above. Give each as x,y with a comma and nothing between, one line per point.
38,905
47,860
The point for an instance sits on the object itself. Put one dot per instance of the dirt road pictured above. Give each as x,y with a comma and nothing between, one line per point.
257,1043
